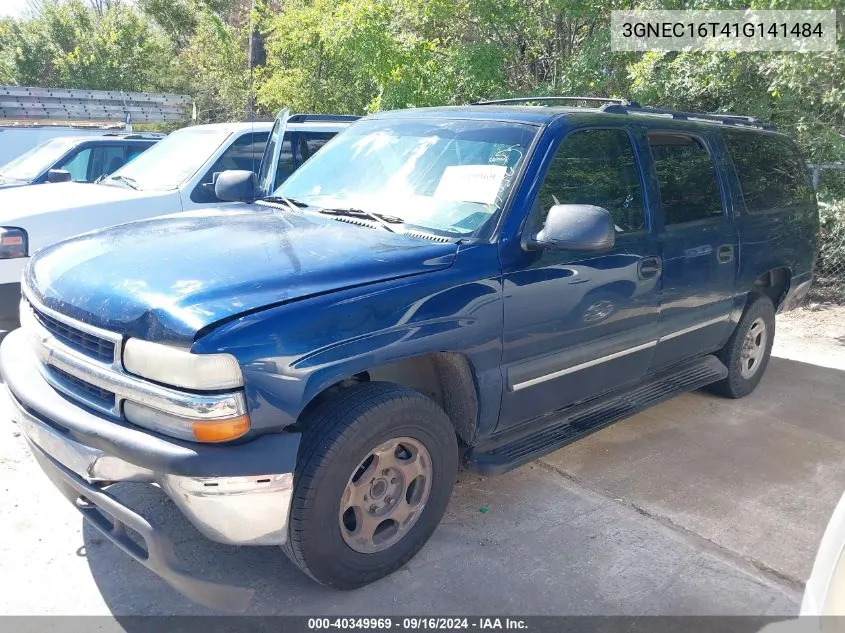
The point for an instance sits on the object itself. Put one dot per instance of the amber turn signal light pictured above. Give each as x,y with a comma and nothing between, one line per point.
220,430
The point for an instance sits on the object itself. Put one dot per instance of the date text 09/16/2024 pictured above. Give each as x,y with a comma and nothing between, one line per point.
416,623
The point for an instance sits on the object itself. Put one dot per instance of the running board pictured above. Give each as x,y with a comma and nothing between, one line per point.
508,450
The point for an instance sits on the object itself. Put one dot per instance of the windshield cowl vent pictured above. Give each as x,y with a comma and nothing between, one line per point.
370,225
427,236
355,221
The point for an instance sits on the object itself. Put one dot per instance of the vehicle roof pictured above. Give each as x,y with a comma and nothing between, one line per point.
533,115
266,126
543,115
105,138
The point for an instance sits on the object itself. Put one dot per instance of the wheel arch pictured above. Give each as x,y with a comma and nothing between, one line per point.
773,283
447,378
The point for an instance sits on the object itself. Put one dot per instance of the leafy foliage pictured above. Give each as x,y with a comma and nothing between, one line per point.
364,55
359,56
71,46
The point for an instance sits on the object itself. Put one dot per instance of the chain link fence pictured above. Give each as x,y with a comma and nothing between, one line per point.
829,286
829,283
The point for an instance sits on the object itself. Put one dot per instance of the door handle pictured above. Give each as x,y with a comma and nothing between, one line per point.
649,267
725,254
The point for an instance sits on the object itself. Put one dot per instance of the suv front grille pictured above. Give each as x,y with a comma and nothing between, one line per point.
88,392
90,345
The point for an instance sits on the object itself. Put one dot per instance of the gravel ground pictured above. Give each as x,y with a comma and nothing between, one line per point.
815,333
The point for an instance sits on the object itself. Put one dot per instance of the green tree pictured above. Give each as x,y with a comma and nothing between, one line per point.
70,45
212,67
8,67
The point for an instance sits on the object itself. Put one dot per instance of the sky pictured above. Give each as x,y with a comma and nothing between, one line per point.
12,7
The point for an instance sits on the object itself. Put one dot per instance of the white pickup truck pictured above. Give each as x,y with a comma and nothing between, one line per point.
177,174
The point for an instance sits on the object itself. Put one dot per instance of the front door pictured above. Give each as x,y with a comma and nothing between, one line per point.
578,324
272,154
699,247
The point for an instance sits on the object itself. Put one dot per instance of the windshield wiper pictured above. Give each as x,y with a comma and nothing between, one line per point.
130,182
291,203
383,219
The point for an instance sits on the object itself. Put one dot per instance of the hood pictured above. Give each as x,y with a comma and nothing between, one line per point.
43,210
60,196
167,278
11,184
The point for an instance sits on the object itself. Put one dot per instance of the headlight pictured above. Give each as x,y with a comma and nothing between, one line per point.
221,430
14,242
180,368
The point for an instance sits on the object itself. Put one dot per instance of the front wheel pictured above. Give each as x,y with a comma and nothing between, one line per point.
747,352
374,475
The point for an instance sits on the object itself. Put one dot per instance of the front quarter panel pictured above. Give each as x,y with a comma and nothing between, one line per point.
291,353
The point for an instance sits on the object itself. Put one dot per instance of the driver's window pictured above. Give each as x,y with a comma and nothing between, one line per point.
77,166
244,153
596,167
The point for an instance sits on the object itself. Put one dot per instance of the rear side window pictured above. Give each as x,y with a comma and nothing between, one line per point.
297,147
771,173
689,189
596,167
314,141
107,159
134,150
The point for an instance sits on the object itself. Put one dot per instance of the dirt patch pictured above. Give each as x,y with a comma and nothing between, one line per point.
815,334
816,321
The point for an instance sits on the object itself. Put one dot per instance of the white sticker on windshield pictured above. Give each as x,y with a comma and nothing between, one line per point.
471,183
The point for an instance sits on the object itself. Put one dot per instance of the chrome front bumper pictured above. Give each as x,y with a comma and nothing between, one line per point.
238,494
232,510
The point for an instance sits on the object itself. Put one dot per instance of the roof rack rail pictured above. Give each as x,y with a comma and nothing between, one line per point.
605,100
136,135
310,118
145,135
724,119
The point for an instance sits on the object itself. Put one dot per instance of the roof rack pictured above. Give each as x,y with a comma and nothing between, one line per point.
136,135
310,118
605,100
724,119
624,106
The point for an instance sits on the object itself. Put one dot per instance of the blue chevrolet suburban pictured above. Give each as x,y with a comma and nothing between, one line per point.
479,284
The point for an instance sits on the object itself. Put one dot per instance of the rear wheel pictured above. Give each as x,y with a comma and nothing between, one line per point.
747,352
374,475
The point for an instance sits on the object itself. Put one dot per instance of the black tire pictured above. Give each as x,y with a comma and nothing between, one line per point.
338,434
736,385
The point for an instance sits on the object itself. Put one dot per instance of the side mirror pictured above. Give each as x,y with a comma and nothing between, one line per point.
235,185
576,227
58,175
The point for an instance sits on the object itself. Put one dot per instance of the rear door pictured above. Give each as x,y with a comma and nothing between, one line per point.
698,245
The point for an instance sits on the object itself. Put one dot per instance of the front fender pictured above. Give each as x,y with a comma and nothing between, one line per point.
289,354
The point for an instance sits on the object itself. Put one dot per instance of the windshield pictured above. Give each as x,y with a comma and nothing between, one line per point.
449,176
37,160
173,160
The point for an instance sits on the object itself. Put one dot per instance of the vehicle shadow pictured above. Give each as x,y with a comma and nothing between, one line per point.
482,516
444,578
